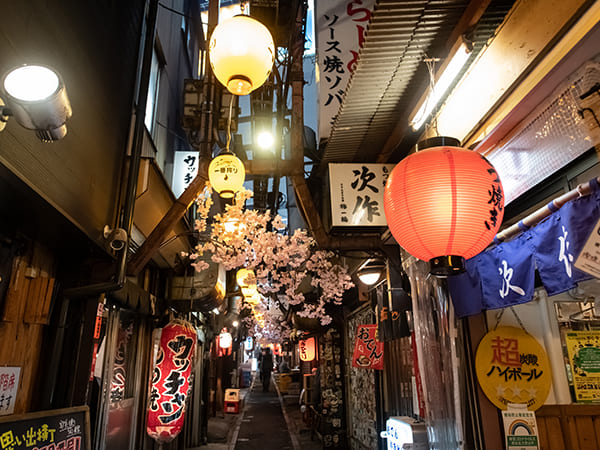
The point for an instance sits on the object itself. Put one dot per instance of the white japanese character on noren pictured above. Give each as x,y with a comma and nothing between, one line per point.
507,274
564,256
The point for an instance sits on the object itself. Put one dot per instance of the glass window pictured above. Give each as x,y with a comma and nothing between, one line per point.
150,118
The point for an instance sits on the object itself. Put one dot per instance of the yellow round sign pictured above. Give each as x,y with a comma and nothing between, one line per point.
512,367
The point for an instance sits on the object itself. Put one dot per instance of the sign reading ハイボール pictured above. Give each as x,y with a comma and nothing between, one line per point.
512,367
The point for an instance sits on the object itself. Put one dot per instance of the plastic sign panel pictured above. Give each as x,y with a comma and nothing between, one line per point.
9,384
589,258
170,381
405,432
306,347
368,351
512,367
520,428
583,348
185,169
356,192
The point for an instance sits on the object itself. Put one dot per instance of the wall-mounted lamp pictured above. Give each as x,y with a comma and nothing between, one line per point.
447,74
265,140
241,53
371,271
37,98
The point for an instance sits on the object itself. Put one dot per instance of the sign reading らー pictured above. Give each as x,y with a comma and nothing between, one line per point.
59,429
368,351
512,367
356,192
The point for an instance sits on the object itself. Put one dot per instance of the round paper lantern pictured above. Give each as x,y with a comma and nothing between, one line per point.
170,381
444,205
225,339
245,278
307,348
241,53
226,174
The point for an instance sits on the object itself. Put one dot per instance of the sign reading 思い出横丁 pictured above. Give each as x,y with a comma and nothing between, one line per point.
368,351
356,192
513,368
339,27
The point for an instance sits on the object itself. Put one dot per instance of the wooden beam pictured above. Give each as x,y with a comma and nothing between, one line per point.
166,224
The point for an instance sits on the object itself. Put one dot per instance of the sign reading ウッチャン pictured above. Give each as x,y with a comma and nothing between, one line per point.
512,367
67,428
368,351
583,348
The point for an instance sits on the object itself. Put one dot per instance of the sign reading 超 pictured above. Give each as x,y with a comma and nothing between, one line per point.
356,192
512,367
56,429
368,351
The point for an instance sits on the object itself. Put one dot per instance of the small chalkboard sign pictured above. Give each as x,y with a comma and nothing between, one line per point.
57,429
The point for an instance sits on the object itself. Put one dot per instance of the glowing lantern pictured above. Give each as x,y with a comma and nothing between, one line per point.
444,205
307,348
170,381
225,339
245,278
241,53
226,174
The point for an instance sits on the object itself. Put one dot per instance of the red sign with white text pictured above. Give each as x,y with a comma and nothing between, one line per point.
368,351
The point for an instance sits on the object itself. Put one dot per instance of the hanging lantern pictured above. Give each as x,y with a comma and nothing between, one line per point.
245,278
241,53
307,348
170,381
226,174
225,339
444,205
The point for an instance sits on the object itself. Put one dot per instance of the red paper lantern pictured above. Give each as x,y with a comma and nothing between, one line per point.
307,349
444,205
170,381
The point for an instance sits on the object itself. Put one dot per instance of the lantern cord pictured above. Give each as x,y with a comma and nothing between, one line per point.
229,125
430,63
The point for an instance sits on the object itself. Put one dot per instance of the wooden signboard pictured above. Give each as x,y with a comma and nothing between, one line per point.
67,428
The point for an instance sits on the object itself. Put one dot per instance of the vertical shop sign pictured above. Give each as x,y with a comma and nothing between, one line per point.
520,428
185,169
583,348
9,384
307,348
368,351
170,381
356,192
512,367
340,28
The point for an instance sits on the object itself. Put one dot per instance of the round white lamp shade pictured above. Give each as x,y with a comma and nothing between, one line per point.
241,53
226,174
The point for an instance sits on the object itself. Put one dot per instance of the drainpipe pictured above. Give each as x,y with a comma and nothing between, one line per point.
126,219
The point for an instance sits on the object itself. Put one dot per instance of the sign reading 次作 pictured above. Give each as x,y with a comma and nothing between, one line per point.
356,192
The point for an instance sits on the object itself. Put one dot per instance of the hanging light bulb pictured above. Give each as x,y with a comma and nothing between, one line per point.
241,54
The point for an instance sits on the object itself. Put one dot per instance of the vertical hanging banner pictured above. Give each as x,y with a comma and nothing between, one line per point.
583,348
368,351
185,169
339,27
356,192
512,367
170,381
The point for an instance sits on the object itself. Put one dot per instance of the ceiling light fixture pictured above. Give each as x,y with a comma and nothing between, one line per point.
371,271
37,98
447,74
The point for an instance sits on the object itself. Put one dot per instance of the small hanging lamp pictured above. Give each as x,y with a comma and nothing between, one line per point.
444,204
226,174
241,53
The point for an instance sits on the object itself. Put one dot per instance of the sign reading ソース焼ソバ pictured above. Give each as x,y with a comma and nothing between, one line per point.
512,367
67,428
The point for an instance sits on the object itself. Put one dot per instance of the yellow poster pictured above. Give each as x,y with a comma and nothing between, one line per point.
583,348
512,367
